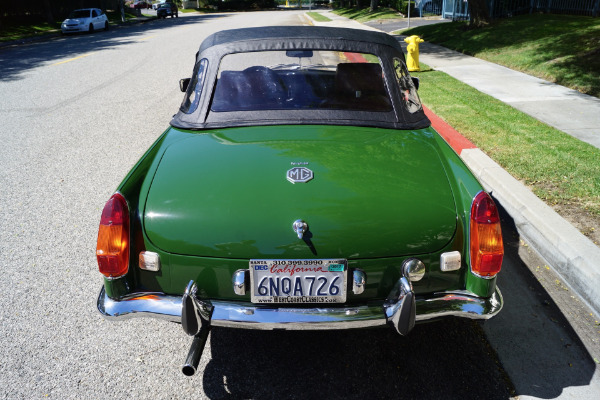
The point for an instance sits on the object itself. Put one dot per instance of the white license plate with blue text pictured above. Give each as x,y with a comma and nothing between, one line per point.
298,281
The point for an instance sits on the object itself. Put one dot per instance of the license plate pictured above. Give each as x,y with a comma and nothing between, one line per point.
298,281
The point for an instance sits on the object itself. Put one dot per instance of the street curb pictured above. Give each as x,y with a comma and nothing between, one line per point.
457,141
572,255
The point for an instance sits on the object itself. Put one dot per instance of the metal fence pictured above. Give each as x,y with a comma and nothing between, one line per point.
459,9
508,8
430,7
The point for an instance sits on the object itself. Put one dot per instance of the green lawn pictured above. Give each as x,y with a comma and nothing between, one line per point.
559,48
557,167
200,10
14,31
362,15
318,16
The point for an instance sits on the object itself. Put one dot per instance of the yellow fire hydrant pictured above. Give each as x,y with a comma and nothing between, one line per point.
412,50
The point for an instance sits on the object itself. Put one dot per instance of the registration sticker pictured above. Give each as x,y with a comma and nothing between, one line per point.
336,267
298,281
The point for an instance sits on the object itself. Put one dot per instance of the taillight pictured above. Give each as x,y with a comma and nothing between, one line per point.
112,250
487,249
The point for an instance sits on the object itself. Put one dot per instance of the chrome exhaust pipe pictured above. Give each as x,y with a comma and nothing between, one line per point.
193,358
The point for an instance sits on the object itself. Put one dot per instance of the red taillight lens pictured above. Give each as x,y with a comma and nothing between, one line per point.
487,249
112,250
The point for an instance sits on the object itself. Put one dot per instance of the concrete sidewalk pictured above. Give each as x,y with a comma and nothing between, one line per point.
572,255
562,108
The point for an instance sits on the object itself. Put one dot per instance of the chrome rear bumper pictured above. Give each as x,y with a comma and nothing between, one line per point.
250,316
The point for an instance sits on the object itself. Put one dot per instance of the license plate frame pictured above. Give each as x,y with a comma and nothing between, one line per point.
320,281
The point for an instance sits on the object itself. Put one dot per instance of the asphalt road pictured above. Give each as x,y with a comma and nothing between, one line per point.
75,115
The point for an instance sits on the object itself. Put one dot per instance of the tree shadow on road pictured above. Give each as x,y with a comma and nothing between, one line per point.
16,62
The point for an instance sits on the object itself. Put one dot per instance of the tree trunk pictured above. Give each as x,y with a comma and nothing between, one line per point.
479,14
48,12
122,10
374,4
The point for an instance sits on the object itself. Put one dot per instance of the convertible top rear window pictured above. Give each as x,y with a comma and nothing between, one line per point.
300,75
300,80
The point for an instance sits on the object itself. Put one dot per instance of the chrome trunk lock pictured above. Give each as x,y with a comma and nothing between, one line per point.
300,227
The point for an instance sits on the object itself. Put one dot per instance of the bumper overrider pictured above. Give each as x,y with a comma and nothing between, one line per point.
400,310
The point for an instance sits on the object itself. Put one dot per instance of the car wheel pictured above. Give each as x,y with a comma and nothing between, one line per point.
106,26
91,28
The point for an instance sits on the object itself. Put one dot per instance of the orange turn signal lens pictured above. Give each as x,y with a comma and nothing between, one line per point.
112,249
487,249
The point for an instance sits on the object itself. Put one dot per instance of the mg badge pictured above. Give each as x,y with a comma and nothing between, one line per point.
299,175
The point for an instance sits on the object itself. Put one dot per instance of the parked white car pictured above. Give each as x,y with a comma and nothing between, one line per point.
85,20
157,4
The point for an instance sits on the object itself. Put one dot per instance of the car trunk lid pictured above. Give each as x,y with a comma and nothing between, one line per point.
374,193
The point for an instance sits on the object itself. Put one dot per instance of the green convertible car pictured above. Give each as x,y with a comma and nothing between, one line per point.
300,186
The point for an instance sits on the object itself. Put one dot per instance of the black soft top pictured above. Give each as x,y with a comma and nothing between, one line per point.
271,38
309,35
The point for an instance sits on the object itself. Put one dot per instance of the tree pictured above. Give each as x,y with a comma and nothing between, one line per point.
374,4
48,11
480,16
122,10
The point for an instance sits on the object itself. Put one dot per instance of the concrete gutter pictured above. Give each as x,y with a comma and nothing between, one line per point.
574,257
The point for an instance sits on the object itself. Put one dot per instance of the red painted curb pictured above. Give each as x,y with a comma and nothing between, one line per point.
355,58
457,141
